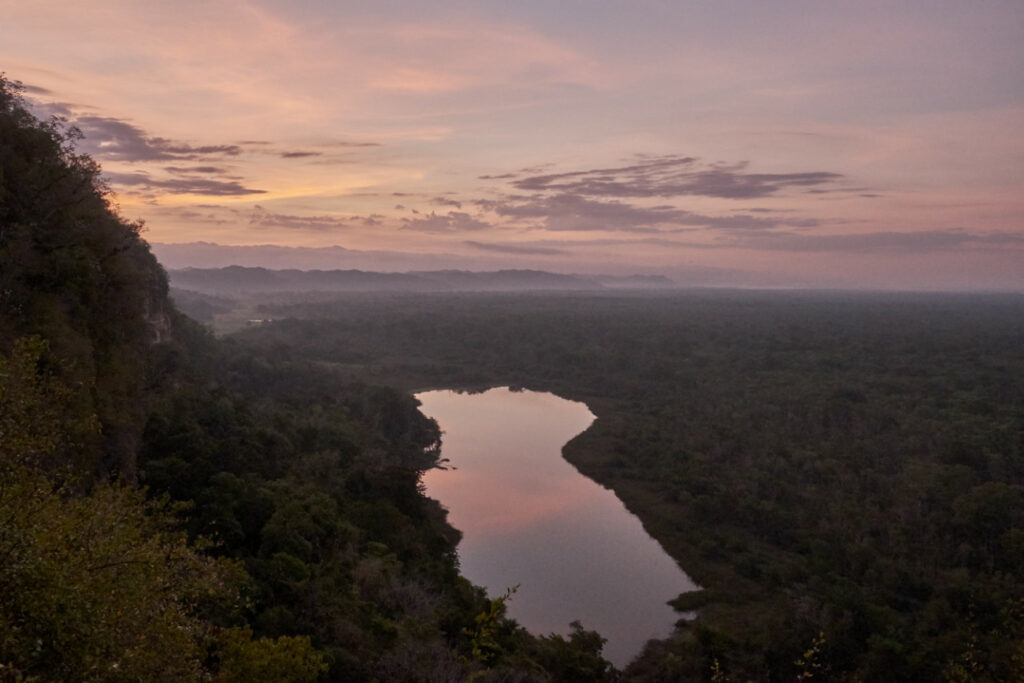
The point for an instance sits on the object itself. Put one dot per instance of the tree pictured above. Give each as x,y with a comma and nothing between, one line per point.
77,274
103,586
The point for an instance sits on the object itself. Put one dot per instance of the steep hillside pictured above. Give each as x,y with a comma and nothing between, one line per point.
80,276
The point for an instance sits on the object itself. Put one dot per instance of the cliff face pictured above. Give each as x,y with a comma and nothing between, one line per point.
78,275
158,321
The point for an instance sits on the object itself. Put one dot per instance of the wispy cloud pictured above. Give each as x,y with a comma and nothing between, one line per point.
185,170
673,176
263,218
350,143
299,154
200,186
45,110
201,214
567,211
452,222
517,249
35,89
787,241
115,140
445,201
883,241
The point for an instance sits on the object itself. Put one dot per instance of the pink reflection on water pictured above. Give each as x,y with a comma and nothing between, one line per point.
529,518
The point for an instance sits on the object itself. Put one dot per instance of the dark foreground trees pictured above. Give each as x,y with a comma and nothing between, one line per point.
103,586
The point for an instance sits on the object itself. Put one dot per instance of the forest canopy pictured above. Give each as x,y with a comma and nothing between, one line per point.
842,472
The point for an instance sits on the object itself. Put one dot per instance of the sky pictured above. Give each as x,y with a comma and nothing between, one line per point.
735,142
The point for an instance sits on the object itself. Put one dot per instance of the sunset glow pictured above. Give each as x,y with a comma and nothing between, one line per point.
737,143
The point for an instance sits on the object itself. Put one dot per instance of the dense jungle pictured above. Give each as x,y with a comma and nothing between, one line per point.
842,472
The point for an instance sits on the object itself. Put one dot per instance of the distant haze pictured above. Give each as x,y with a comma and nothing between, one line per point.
936,272
242,280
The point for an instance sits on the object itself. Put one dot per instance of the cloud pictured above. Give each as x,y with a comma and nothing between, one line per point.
572,212
521,249
453,221
265,219
870,242
444,201
193,215
35,89
673,176
621,198
884,241
349,143
203,186
44,110
116,140
299,155
183,170
565,211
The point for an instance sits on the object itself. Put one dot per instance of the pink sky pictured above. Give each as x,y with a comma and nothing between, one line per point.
841,144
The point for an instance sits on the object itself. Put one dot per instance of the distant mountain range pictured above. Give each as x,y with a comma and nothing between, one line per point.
240,279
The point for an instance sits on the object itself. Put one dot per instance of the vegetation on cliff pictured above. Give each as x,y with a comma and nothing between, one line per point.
282,533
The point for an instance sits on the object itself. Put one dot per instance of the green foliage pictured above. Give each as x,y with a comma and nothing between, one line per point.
483,642
577,658
809,662
313,485
95,587
37,416
821,463
244,660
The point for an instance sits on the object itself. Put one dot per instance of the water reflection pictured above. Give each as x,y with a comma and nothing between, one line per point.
530,518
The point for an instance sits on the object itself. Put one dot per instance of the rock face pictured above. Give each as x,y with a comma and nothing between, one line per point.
158,321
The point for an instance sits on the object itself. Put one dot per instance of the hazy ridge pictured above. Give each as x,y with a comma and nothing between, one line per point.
240,279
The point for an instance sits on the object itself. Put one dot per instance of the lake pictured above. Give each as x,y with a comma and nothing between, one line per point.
529,518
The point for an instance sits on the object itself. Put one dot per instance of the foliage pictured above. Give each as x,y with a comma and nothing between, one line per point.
843,464
243,660
78,275
313,484
37,416
577,658
483,643
102,586
93,588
